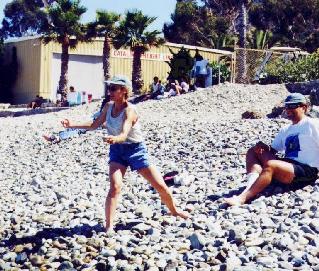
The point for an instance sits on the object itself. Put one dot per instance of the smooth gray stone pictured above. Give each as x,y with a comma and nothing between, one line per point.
10,256
197,241
66,265
21,258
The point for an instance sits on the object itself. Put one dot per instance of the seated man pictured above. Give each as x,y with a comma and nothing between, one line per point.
74,97
299,141
154,85
159,90
36,103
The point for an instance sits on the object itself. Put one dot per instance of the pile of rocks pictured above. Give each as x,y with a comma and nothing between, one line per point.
52,196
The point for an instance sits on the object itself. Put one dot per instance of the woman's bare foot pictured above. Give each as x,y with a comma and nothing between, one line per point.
181,214
52,138
48,138
235,200
109,231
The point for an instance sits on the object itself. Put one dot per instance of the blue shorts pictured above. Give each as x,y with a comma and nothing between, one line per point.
133,154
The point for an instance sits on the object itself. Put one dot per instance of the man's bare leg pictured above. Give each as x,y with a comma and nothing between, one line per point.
254,162
280,170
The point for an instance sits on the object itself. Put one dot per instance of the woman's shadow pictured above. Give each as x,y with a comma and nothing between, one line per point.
56,233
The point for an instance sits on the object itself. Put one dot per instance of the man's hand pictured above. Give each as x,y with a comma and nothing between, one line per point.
65,123
261,147
111,139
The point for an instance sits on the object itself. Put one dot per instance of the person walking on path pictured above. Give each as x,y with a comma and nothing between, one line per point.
300,143
127,148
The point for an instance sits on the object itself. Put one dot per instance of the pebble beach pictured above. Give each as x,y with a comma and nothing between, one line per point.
52,195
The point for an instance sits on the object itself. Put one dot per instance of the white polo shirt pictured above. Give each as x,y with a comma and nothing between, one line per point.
300,141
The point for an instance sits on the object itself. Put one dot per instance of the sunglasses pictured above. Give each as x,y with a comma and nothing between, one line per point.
113,88
292,106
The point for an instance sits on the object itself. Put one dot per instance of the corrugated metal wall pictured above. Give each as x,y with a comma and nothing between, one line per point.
35,60
29,63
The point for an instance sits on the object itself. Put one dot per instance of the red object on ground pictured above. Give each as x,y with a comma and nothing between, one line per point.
89,98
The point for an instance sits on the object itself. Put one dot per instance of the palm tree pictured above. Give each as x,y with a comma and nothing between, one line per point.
104,26
133,34
260,39
66,29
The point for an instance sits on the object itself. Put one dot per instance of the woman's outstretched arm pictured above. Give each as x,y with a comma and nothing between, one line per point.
94,125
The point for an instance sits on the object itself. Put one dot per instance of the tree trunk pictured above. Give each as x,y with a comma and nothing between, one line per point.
242,56
64,68
137,81
106,58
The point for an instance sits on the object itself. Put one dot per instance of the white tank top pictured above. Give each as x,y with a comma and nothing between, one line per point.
114,126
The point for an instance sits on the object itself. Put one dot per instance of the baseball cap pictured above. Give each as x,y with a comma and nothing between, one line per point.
295,98
119,80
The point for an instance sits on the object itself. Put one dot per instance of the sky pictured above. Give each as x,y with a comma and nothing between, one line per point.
160,9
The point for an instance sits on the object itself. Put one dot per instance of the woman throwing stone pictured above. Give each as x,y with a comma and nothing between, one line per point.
127,148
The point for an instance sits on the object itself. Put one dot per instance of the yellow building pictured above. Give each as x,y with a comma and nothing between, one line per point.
39,66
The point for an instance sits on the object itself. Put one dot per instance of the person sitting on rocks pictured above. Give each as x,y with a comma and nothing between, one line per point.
73,97
154,85
127,148
299,141
184,86
175,89
160,89
36,103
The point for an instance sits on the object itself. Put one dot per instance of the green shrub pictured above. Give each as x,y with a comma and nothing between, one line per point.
181,64
302,69
224,72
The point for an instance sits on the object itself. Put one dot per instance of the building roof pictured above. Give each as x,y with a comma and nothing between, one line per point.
287,49
170,44
216,51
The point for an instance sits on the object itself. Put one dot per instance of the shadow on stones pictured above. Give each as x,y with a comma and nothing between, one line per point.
56,233
274,188
51,233
29,112
126,226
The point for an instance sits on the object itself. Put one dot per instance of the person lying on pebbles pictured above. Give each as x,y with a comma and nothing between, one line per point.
299,141
127,148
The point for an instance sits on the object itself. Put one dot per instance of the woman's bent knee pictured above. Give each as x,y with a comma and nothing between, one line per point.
115,190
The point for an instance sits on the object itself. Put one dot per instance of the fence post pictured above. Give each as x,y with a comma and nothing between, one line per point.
218,61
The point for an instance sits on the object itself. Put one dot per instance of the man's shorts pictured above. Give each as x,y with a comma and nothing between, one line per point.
132,154
303,172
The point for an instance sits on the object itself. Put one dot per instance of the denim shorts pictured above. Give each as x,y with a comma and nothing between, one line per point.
303,172
133,154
